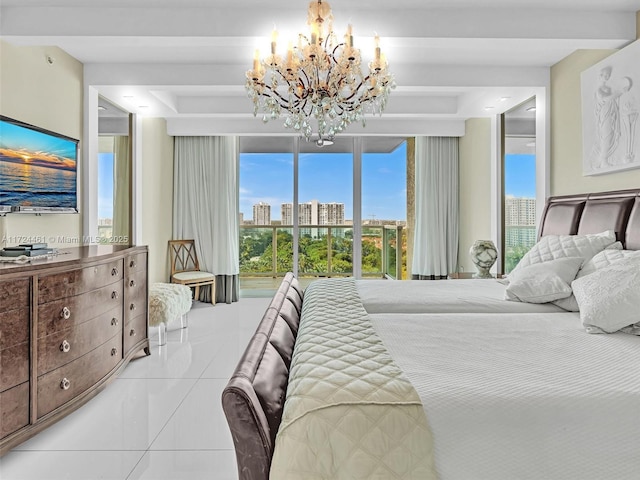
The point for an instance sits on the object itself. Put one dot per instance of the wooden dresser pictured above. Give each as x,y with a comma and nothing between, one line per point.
68,325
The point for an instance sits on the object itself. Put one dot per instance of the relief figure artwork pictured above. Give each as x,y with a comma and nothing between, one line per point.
610,91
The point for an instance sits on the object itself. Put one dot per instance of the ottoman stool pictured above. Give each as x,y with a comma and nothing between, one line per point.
168,301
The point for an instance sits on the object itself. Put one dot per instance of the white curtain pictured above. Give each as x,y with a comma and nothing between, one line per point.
205,207
436,199
121,189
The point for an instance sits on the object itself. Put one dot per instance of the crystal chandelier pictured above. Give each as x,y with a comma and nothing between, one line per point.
319,81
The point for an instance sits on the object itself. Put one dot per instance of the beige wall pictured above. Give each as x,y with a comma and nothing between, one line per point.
475,191
157,195
566,131
48,96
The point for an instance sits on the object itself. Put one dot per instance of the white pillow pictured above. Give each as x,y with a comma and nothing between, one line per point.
603,259
609,298
543,282
551,247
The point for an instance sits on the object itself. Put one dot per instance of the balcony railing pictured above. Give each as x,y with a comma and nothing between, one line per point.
323,250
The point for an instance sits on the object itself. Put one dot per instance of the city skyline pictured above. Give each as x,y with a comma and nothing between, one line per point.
328,178
268,178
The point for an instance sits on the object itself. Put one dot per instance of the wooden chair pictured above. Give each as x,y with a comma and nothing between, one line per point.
185,268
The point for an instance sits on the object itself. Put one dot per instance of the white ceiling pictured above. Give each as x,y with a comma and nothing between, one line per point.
185,60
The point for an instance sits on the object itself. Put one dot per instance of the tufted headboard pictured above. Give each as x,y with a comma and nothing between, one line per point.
594,213
254,397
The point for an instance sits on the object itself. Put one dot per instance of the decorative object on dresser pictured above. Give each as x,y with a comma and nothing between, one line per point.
483,254
68,326
185,268
167,302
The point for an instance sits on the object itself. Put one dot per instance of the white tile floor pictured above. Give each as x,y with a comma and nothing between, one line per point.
161,419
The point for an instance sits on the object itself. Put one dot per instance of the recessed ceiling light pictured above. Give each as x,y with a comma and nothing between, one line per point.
504,99
489,108
100,107
127,96
531,109
143,106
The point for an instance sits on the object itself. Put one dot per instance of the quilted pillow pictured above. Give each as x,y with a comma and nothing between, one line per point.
543,282
609,298
551,247
603,259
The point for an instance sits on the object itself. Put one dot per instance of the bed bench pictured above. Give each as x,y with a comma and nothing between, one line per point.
254,397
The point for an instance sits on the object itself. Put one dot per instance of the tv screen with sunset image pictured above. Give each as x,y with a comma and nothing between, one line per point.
38,168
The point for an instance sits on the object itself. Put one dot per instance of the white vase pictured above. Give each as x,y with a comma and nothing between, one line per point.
483,255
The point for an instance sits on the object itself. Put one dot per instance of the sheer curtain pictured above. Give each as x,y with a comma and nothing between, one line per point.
205,208
121,189
436,197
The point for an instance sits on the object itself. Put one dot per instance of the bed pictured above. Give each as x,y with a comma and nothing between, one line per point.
359,379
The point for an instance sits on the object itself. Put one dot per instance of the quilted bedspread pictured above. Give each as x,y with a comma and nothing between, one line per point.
350,412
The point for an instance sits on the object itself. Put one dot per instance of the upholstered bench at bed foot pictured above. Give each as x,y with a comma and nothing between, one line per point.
167,302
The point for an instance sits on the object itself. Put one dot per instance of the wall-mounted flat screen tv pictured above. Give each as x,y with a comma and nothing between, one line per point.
38,169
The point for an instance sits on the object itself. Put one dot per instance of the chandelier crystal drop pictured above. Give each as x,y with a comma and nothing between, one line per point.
320,80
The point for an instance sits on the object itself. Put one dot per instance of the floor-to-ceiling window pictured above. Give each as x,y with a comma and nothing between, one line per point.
266,198
325,203
384,207
519,175
338,210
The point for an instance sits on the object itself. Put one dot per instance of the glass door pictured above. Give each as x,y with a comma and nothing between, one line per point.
325,209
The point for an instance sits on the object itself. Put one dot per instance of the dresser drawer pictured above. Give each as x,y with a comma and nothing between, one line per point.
67,382
53,317
136,262
135,331
14,294
66,345
14,413
14,365
135,294
14,327
76,282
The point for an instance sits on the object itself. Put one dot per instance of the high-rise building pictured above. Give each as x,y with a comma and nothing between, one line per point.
331,214
520,211
286,213
520,221
314,213
262,214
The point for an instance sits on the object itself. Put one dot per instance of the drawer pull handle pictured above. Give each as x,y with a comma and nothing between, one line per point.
132,307
114,272
132,283
114,295
114,352
65,313
114,322
132,333
65,346
132,263
65,384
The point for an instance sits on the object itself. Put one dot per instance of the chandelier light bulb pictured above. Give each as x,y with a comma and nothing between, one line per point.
320,82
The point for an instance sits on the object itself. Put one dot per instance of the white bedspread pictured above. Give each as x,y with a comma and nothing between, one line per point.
527,396
443,296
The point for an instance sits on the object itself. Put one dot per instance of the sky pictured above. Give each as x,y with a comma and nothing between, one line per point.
326,177
105,185
520,174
